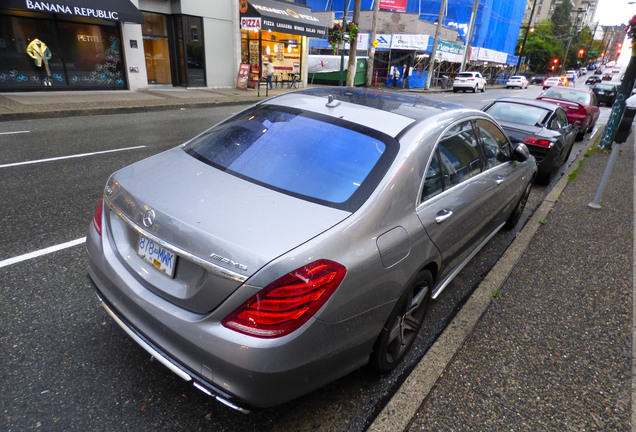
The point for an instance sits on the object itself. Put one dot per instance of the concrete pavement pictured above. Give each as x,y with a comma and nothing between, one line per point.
33,105
544,343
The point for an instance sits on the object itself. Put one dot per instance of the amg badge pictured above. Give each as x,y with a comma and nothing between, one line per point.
224,260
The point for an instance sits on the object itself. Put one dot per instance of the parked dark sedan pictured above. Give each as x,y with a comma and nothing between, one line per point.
605,93
543,127
593,79
538,78
607,76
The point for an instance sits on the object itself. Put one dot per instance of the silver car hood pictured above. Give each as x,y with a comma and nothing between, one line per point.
221,220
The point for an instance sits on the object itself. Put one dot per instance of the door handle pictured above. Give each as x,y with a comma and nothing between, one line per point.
443,215
500,180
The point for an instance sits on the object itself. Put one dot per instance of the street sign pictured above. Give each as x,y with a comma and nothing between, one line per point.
593,52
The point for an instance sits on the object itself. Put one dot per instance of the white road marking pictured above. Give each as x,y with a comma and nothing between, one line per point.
69,157
15,132
41,252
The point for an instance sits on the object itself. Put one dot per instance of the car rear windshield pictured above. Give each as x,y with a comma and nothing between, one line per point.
571,95
518,113
311,156
604,86
465,75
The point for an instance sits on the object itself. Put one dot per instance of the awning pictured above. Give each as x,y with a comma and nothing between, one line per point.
114,10
280,17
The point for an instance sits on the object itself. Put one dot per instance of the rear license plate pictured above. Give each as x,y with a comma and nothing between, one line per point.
164,260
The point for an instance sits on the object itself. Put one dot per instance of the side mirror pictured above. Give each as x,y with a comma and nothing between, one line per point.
521,153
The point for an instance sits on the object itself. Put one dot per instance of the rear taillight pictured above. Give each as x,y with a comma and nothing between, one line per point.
288,303
97,218
538,142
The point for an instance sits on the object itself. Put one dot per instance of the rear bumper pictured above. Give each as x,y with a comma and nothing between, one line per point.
176,368
240,371
545,158
465,86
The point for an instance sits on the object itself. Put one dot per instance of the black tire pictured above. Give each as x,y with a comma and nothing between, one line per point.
483,89
454,90
518,211
475,88
580,135
403,325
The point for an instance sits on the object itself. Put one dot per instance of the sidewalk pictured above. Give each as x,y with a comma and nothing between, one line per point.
33,105
549,346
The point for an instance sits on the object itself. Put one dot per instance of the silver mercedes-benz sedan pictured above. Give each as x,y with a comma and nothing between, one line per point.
301,238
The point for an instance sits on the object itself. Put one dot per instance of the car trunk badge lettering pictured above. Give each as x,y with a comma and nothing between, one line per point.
224,260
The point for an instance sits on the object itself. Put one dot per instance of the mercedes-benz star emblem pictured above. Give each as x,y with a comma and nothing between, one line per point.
149,218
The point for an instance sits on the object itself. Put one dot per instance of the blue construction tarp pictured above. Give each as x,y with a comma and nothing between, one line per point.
497,22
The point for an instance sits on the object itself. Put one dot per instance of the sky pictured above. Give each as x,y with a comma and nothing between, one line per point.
615,12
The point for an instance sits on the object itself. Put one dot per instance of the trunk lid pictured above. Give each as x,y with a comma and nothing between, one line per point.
222,228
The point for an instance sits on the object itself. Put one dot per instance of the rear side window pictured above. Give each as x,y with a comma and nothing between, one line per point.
306,155
455,159
496,146
459,154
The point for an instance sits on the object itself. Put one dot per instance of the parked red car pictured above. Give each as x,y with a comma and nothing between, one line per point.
580,105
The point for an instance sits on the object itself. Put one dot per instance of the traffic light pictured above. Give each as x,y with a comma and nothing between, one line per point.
581,52
554,63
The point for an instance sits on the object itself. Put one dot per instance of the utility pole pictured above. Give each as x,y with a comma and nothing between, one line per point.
567,47
376,7
469,36
345,12
353,46
525,38
431,63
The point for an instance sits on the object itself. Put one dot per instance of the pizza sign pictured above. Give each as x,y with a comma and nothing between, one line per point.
250,23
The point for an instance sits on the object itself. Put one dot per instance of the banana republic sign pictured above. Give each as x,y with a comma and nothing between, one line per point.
114,10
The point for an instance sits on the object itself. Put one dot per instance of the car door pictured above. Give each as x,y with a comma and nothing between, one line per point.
454,202
504,180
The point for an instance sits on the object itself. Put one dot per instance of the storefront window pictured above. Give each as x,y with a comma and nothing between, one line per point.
194,51
37,53
189,49
97,54
156,48
283,50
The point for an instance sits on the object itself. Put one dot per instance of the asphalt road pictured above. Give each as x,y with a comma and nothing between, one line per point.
65,365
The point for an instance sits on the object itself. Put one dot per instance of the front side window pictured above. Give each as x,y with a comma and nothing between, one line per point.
306,155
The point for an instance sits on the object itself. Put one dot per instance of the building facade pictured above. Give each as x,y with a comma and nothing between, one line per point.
137,44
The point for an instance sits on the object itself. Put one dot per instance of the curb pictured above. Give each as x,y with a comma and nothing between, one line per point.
79,112
399,412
